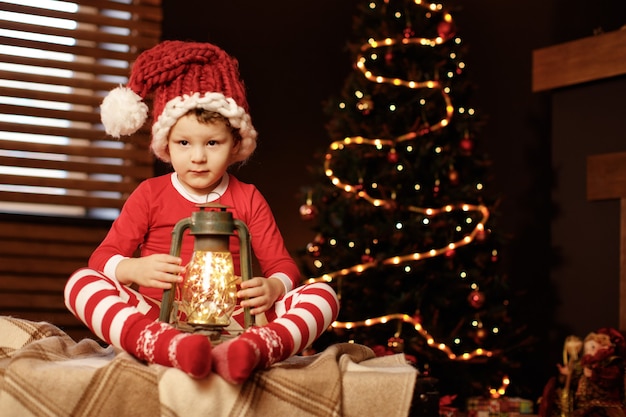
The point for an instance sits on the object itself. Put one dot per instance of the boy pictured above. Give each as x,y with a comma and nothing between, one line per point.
201,126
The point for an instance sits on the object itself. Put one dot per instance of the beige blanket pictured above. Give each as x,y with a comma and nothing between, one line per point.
43,372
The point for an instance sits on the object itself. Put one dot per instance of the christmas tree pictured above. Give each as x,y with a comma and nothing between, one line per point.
404,222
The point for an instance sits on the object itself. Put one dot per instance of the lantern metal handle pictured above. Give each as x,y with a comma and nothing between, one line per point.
245,261
167,300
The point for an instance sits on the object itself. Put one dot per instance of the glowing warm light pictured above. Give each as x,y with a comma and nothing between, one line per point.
370,52
430,212
369,49
418,327
209,291
498,392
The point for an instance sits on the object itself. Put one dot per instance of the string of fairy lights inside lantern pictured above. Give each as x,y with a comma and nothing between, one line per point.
341,145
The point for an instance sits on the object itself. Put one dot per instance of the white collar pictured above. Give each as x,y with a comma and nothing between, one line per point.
201,198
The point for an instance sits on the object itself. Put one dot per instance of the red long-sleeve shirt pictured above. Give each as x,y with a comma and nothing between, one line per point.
151,211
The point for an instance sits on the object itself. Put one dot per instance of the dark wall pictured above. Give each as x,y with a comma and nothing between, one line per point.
292,58
573,281
588,120
582,257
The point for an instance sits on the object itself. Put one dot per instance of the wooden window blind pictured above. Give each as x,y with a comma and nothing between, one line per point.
57,61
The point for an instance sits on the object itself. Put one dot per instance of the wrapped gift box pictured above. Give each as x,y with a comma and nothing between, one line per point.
498,407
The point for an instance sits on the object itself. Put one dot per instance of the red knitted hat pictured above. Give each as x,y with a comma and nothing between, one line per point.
182,76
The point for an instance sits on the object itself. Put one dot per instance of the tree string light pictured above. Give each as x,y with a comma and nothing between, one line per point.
498,392
417,256
372,45
418,327
367,57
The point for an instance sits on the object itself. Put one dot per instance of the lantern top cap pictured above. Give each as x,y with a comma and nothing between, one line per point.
211,205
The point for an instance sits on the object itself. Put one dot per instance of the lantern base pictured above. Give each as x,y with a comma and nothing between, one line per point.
214,333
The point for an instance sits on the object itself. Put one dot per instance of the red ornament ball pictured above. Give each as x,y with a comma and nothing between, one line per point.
396,344
388,57
392,156
365,105
480,335
476,299
313,249
466,144
417,317
453,175
446,29
308,211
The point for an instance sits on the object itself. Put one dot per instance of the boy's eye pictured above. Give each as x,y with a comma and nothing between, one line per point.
212,143
183,142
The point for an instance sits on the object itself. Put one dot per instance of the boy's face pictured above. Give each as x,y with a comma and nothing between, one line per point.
200,153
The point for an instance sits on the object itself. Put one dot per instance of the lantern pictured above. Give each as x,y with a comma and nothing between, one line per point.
207,296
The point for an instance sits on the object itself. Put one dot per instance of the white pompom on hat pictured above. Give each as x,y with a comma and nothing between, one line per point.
182,76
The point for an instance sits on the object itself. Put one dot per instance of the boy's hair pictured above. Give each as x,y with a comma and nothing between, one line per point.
181,76
209,116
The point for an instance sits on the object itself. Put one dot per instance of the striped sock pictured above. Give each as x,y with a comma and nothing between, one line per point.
158,342
125,319
255,348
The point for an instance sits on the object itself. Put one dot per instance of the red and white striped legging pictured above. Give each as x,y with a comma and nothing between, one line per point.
104,305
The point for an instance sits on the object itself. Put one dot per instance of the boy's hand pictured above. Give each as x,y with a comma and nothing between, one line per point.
261,293
154,271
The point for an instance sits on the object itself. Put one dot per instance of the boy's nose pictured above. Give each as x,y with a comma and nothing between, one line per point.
198,155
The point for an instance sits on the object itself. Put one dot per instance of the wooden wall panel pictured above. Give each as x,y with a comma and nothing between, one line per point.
36,259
